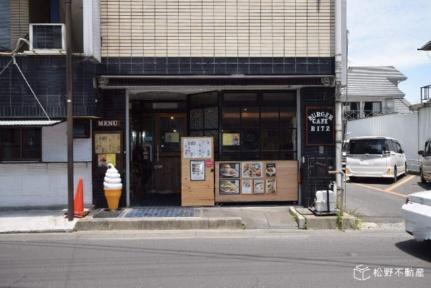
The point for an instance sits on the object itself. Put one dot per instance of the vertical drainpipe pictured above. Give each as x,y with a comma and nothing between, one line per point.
340,82
127,149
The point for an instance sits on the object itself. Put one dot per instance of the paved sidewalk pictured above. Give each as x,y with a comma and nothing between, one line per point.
34,221
253,217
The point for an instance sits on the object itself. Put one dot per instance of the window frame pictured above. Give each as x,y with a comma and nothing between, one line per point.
21,145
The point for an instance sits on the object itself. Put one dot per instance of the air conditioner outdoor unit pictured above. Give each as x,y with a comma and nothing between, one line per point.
47,38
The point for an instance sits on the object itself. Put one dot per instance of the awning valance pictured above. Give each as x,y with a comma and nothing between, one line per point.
28,123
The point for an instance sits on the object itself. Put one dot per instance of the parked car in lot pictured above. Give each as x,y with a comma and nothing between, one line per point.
426,162
378,157
417,215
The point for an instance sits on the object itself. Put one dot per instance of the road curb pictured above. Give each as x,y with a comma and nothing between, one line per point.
307,220
159,223
300,220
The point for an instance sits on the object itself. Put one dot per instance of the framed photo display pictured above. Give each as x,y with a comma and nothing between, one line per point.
197,170
229,186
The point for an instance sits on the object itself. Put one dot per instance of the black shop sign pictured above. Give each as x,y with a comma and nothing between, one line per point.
108,124
319,126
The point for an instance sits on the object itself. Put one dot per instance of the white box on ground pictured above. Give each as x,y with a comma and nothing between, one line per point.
320,203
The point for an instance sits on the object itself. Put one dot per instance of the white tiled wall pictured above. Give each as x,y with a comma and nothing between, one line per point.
45,183
40,184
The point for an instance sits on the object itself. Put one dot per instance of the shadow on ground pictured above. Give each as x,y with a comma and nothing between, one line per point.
366,180
421,250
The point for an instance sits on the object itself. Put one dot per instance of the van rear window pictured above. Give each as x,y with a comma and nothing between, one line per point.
367,146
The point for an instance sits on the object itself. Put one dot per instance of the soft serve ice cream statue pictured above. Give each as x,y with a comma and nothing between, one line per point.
113,187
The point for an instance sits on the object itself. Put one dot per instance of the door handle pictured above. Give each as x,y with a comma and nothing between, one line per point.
157,154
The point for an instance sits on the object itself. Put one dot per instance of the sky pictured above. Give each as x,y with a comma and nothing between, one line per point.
389,32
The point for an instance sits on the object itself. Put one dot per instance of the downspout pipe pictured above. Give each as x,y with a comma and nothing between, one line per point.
340,84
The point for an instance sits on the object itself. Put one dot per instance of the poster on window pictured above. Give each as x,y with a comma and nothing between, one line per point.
197,170
319,124
197,148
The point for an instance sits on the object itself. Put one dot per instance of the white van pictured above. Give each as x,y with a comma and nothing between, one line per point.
426,162
379,157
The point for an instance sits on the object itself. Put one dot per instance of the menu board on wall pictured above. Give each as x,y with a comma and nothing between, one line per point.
197,148
319,124
107,143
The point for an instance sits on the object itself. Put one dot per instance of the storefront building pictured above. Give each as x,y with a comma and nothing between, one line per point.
256,76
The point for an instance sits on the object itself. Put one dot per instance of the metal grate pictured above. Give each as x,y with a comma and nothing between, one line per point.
159,212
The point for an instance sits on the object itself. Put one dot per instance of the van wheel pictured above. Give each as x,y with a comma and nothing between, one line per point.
395,174
422,177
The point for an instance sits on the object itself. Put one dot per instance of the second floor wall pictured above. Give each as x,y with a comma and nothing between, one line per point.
217,28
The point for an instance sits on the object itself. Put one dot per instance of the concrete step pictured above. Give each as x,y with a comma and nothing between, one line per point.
307,220
159,223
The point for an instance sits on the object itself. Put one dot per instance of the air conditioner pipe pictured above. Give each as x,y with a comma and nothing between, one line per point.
17,47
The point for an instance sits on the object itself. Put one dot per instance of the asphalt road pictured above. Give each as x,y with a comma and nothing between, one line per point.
268,258
379,201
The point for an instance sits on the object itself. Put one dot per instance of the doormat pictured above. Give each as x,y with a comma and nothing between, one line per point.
159,212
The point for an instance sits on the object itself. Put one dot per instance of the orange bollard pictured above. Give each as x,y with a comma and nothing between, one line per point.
79,200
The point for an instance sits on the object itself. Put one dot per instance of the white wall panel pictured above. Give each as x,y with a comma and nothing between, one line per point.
40,184
403,127
54,145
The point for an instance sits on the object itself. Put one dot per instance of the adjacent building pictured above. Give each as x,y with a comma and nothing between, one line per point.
257,76
373,91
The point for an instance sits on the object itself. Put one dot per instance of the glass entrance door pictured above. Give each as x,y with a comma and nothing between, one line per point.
156,159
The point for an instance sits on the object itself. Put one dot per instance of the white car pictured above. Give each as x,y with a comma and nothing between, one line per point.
426,162
417,215
377,157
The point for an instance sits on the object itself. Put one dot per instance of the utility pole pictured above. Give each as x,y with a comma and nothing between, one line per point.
340,82
69,104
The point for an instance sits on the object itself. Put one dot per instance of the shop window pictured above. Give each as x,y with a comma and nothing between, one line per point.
231,118
240,99
265,123
204,117
20,144
81,128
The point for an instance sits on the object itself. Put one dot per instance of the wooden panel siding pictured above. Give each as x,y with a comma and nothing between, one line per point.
217,28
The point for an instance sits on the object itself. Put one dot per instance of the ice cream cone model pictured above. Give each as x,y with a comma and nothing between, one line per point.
113,187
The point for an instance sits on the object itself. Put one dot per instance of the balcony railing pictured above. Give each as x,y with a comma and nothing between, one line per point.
352,115
356,114
425,94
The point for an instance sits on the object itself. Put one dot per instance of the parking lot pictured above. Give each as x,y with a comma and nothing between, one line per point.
379,200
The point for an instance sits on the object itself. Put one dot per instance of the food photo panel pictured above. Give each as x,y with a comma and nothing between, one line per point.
229,170
270,170
271,185
247,186
229,187
252,169
259,186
